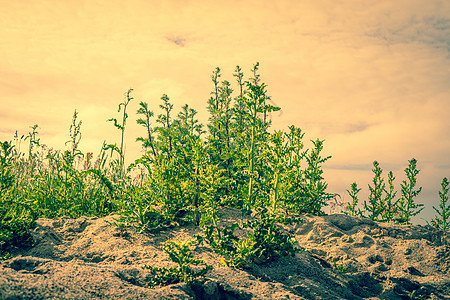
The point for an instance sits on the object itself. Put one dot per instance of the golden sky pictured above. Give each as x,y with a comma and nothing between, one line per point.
372,78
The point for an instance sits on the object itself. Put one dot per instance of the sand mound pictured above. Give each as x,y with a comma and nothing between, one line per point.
346,258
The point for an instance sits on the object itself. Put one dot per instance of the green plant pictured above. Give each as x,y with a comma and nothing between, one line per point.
6,168
121,127
75,137
265,243
441,220
352,210
406,205
34,141
182,177
220,238
180,253
15,233
421,295
340,267
254,104
374,206
315,187
389,203
147,114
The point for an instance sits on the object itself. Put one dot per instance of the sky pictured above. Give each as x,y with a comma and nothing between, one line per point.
371,78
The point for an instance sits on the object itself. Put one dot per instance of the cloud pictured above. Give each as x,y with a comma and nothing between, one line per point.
351,167
177,40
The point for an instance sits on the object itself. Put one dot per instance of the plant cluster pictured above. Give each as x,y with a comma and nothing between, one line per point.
382,205
265,242
187,172
46,183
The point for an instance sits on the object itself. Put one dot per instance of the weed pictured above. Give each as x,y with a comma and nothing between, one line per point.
6,172
352,210
265,243
121,127
441,220
406,205
180,253
374,206
385,209
183,177
341,267
389,203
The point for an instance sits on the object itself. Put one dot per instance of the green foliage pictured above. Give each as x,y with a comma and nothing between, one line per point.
121,127
406,205
187,174
352,210
340,267
6,166
315,189
353,193
33,140
181,177
386,209
266,242
389,203
441,220
180,253
14,232
221,239
15,221
374,206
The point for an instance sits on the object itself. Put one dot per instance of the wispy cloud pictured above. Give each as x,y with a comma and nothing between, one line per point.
177,40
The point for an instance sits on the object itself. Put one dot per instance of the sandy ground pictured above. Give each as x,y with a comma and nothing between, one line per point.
88,258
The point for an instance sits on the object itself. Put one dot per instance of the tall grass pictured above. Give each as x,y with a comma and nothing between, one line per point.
187,173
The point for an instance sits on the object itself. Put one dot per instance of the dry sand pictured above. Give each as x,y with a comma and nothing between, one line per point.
88,258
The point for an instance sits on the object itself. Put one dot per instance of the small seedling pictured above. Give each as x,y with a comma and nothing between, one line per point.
340,267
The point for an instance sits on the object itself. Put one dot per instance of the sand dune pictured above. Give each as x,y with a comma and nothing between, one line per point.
345,258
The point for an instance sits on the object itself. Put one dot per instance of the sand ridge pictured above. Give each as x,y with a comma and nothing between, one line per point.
346,258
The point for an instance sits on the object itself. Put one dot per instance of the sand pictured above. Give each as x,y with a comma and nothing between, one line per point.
346,258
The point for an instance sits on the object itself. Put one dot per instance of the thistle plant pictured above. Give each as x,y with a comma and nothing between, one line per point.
239,105
407,208
165,134
16,218
265,243
374,207
183,177
389,203
180,253
315,189
255,104
441,220
352,209
276,156
75,135
293,191
33,140
222,239
147,114
121,127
